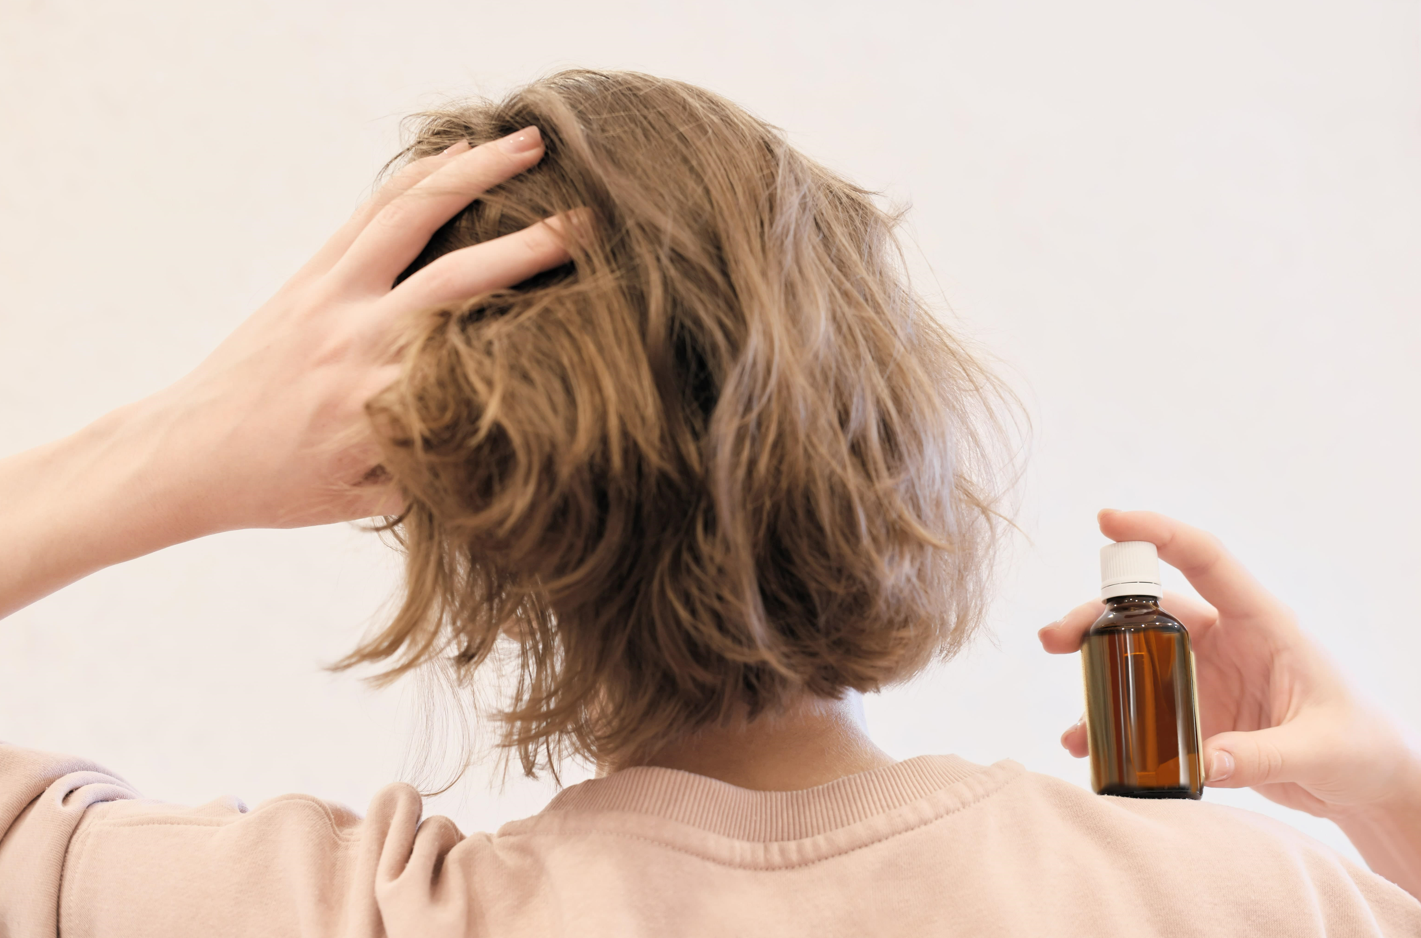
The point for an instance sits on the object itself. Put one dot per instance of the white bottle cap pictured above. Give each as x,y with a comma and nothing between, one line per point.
1130,568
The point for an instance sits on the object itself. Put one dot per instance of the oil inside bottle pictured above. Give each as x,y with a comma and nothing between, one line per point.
1141,714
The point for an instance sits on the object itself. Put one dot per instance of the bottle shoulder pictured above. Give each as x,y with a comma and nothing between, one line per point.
1135,617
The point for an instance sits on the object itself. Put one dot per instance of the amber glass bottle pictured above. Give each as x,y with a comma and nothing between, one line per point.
1142,718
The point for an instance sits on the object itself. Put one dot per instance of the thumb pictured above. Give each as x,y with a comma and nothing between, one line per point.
1245,760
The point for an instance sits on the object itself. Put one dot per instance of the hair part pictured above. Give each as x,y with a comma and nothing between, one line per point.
723,458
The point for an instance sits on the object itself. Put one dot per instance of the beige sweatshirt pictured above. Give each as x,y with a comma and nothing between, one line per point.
931,846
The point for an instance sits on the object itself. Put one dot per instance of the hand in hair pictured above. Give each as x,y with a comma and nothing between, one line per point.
1276,715
271,430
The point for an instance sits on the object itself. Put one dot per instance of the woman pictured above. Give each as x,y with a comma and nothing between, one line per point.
661,428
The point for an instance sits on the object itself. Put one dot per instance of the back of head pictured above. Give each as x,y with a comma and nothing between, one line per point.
724,458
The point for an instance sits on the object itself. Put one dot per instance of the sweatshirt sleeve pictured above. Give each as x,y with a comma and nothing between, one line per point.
42,800
81,853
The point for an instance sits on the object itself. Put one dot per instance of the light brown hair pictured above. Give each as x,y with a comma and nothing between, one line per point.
724,457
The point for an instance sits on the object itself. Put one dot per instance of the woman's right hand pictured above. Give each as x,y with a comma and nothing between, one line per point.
1276,715
270,430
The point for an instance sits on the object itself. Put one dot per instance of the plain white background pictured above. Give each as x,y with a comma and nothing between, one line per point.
1188,231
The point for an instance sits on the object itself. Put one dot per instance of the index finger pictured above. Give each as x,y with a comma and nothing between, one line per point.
1064,636
401,229
345,236
1212,570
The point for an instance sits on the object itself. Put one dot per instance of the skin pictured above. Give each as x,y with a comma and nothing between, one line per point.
270,431
814,741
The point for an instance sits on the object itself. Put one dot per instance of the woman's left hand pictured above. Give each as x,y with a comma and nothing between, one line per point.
1277,716
270,430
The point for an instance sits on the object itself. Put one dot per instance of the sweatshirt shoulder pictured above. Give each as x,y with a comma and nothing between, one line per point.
1110,835
1170,818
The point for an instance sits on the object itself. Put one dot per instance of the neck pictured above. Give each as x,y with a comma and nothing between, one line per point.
811,742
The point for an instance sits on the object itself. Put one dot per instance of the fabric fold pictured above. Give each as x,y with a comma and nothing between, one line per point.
42,800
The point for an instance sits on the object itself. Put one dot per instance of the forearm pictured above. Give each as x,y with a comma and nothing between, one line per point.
1389,836
85,502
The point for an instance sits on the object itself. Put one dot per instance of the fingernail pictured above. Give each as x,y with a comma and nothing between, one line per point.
529,138
461,145
1107,511
1221,766
577,219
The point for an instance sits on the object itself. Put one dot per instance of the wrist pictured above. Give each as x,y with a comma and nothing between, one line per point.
139,463
1387,831
1398,796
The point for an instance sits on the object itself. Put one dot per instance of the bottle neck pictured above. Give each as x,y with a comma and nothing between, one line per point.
1150,601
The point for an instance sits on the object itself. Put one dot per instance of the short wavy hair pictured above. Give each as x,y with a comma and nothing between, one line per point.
723,458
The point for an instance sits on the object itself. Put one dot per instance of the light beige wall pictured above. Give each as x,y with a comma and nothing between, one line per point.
1190,231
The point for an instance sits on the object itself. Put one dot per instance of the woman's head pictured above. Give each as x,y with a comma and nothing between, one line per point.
723,459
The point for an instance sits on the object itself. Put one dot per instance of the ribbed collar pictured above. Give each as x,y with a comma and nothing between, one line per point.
764,816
